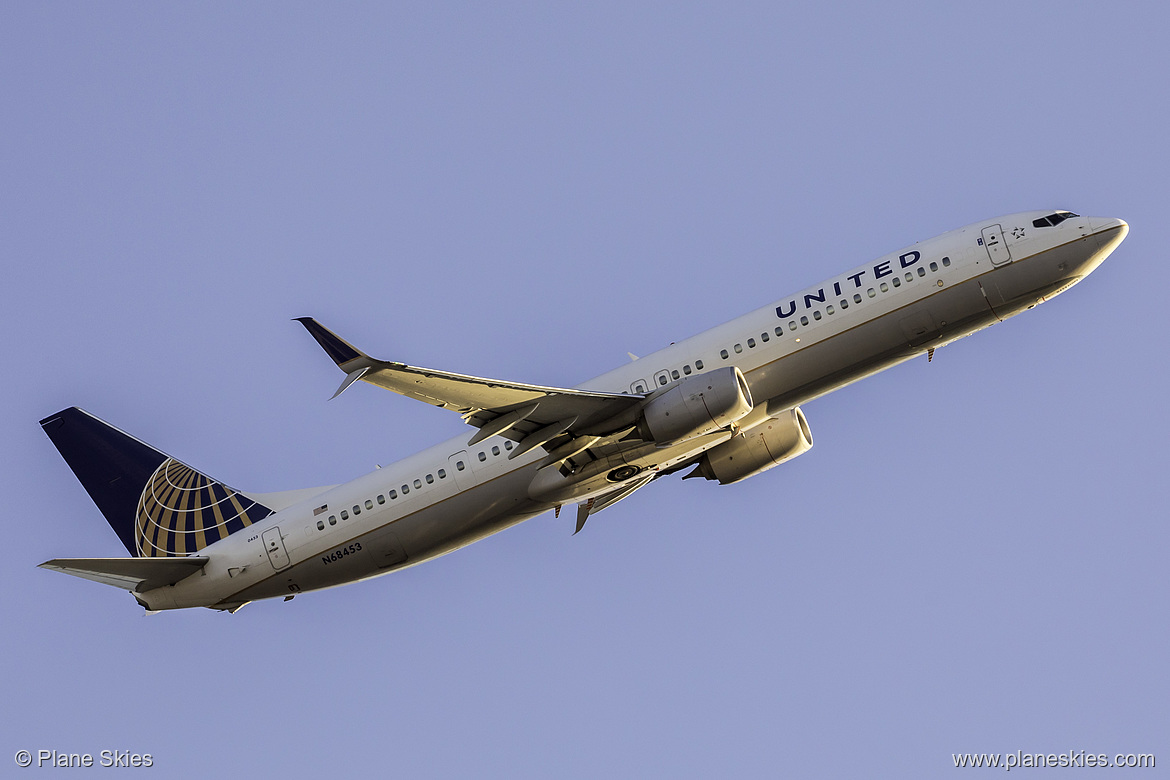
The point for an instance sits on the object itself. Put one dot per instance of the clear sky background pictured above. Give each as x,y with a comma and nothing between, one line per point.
973,557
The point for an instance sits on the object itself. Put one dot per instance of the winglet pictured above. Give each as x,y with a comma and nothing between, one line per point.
350,378
348,358
336,347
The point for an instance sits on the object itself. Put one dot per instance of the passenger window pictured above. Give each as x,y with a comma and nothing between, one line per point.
792,324
381,499
430,479
495,450
946,262
921,271
332,520
418,484
779,331
674,374
751,343
897,282
857,297
817,314
870,292
369,504
393,494
764,336
933,266
459,465
804,320
639,386
844,304
482,457
723,354
909,276
443,472
662,378
357,510
405,489
344,515
687,369
738,348
507,445
320,526
699,365
885,287
829,310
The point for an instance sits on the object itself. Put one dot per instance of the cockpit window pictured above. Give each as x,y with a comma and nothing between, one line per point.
1052,220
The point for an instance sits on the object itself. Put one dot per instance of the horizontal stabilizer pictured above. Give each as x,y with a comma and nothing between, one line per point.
132,574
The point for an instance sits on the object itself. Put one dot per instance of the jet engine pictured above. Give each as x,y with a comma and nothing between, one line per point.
766,445
698,404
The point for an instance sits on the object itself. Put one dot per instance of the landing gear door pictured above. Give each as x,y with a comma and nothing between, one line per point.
919,328
274,546
995,245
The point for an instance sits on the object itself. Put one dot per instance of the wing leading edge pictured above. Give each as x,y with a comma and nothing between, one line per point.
533,415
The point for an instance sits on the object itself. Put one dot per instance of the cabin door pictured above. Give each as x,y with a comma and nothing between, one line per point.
274,546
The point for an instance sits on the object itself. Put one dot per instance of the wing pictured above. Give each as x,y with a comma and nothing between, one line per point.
560,419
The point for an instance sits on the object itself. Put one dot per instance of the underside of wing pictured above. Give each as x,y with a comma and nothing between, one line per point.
533,415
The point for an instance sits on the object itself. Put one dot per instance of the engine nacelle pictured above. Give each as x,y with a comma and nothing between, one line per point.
699,404
768,444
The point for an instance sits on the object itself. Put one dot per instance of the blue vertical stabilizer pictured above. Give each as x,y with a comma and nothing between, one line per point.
157,505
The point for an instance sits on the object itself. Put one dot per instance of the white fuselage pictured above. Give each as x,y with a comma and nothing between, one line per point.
790,351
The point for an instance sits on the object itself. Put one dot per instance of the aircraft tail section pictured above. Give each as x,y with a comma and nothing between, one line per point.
158,506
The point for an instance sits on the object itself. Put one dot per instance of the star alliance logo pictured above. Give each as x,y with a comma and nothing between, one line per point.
1017,232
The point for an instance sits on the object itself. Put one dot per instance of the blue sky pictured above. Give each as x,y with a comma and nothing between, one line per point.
971,558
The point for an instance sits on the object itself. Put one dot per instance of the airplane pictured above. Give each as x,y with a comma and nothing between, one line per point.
725,403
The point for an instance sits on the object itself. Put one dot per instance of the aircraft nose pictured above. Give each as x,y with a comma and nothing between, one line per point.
1104,225
1109,232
